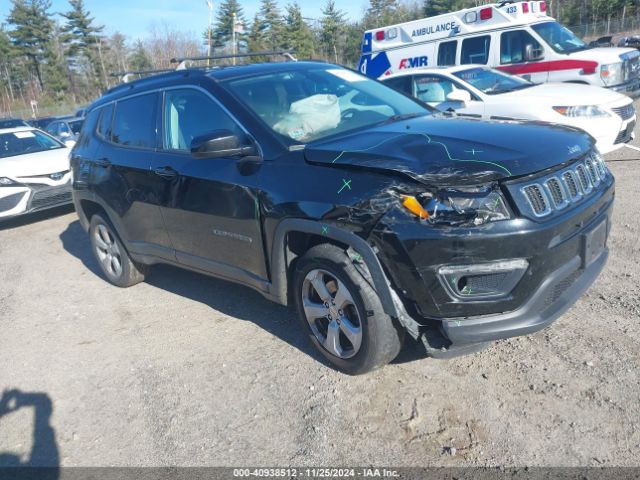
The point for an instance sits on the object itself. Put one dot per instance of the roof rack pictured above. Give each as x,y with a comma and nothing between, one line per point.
125,77
182,62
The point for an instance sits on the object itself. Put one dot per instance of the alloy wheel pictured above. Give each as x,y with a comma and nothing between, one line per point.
331,313
107,250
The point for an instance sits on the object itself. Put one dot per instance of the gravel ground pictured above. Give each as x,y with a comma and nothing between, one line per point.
189,370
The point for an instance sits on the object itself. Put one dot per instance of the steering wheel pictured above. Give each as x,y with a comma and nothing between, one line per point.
348,113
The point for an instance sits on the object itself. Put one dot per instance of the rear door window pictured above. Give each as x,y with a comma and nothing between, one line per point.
447,53
88,127
476,50
134,121
104,126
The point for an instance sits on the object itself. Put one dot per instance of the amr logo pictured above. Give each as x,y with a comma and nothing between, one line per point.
413,62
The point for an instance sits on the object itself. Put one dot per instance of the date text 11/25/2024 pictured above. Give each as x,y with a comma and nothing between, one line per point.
316,472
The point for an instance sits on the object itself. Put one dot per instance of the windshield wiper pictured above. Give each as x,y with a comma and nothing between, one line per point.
403,116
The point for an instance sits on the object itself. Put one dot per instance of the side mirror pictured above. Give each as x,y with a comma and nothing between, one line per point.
222,144
70,143
460,96
533,54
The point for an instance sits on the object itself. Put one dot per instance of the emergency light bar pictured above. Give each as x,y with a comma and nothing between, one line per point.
387,35
486,13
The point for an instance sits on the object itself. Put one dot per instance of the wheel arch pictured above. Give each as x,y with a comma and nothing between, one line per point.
88,208
293,237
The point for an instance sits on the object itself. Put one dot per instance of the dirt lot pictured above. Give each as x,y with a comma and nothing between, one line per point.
188,370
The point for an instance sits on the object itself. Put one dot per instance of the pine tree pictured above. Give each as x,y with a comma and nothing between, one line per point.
31,32
438,7
332,31
272,25
139,58
8,66
298,35
255,43
57,77
83,42
222,30
381,13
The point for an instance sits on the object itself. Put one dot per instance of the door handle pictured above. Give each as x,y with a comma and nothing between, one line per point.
102,162
165,172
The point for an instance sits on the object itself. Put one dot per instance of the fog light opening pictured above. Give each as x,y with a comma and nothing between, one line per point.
462,285
477,282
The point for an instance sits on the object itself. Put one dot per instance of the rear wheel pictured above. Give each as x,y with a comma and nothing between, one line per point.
342,314
112,257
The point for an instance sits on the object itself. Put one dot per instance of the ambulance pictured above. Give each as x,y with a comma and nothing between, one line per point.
515,37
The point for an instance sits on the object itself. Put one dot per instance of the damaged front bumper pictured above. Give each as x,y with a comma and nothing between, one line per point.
558,292
553,263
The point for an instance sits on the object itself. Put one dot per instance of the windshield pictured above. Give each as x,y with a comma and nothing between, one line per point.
492,82
561,39
27,141
302,106
13,123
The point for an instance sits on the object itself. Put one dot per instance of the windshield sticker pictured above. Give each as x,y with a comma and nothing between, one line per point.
346,75
23,134
425,80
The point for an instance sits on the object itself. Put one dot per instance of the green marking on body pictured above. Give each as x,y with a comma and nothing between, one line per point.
429,141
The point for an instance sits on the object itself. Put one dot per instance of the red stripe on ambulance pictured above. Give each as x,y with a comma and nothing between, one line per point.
587,67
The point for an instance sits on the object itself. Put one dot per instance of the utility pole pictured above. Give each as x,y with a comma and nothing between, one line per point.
210,5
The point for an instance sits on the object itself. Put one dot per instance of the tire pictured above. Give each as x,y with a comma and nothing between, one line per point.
342,314
111,255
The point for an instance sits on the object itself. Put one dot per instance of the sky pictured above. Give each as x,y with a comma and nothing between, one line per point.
134,18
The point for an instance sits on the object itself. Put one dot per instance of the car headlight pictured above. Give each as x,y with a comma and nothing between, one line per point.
458,206
4,181
586,111
612,74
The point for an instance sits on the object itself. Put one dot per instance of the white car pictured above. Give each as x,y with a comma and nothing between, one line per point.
479,91
34,172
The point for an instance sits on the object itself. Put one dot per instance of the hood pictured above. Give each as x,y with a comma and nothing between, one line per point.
554,94
33,164
453,151
601,55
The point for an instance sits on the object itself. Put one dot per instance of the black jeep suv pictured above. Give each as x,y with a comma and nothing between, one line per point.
322,188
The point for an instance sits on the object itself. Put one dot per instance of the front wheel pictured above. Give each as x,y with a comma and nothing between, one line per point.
341,312
114,260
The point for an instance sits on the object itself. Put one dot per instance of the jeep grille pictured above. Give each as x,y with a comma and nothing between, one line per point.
548,194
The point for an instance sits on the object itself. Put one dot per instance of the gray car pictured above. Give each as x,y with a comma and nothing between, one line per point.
66,129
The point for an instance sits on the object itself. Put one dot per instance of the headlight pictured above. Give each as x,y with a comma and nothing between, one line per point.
612,74
586,111
6,181
459,206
